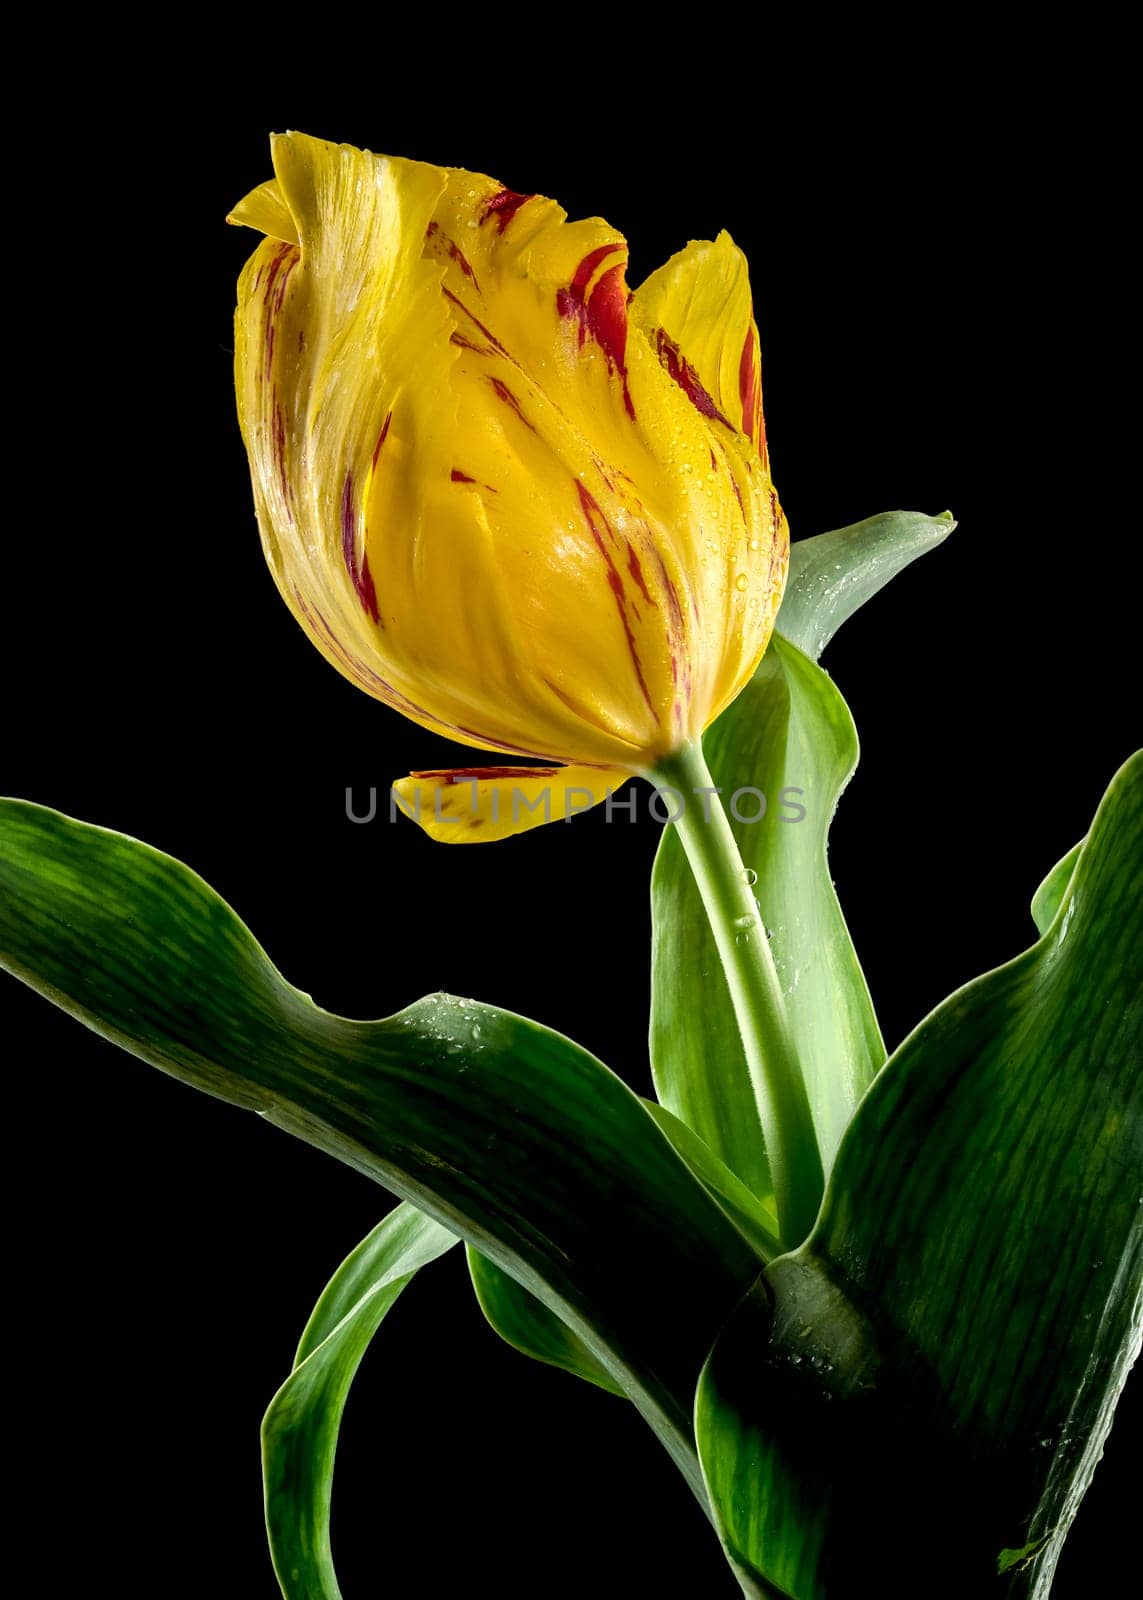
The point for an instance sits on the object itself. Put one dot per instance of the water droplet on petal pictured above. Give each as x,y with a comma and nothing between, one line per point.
741,581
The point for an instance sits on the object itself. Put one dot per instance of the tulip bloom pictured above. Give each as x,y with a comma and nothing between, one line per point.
499,492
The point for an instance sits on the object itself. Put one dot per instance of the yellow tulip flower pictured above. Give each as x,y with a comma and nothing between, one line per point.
500,493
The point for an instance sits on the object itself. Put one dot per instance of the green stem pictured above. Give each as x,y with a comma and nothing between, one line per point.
755,990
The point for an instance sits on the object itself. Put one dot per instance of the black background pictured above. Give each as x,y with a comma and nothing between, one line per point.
939,266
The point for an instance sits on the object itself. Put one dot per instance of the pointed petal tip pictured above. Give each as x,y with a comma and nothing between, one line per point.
265,210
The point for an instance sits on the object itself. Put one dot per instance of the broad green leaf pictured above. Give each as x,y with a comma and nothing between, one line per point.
503,1131
299,1431
790,735
833,574
968,1304
1047,898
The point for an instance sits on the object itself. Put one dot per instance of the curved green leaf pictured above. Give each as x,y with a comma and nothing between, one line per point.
299,1431
790,735
970,1296
503,1131
755,1221
1047,898
528,1326
833,574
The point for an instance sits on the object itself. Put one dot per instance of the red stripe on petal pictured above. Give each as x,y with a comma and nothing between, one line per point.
680,369
607,320
503,206
360,576
504,393
277,274
455,774
601,312
572,301
367,591
593,515
279,446
750,391
442,244
675,632
636,572
466,344
381,437
491,337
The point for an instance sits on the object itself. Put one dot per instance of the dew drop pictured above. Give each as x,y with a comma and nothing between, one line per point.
749,875
747,920
755,545
741,581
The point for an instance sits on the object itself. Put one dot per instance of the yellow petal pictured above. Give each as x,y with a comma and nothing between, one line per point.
474,805
698,314
484,495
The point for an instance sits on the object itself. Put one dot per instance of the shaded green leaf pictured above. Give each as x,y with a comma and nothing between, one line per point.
299,1431
969,1300
503,1131
531,1328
